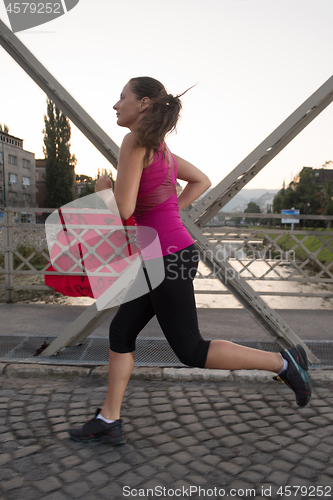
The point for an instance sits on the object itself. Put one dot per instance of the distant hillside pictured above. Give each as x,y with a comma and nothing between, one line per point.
260,196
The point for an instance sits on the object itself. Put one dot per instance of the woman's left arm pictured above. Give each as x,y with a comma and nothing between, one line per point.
197,182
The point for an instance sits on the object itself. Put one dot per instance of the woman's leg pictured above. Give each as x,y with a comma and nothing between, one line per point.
175,308
128,322
225,355
120,369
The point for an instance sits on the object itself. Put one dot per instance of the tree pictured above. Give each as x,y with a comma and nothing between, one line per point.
89,182
303,193
4,128
59,163
252,208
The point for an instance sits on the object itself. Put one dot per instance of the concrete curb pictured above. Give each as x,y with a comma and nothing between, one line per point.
37,370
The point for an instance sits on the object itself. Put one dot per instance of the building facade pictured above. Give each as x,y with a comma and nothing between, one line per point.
17,173
40,183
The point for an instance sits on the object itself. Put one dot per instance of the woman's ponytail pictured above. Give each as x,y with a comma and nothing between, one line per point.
161,117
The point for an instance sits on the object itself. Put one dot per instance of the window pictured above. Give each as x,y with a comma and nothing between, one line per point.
12,196
12,178
0,157
12,159
26,163
26,181
0,175
26,197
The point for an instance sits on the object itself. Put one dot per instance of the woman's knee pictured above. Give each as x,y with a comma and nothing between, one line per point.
119,342
195,357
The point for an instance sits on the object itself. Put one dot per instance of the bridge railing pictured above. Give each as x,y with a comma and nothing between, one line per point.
269,253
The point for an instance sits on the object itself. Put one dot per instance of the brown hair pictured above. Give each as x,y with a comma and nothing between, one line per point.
161,117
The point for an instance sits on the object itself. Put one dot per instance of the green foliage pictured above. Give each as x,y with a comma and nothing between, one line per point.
83,178
59,163
312,243
89,186
252,208
327,198
308,195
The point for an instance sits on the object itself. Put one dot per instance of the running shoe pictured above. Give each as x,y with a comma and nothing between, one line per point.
98,430
295,376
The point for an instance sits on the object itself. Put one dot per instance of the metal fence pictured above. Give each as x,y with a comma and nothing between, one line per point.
263,253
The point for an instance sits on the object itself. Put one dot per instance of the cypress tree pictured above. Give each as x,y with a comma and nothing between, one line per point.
59,163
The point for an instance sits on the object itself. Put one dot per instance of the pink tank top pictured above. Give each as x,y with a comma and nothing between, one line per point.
157,204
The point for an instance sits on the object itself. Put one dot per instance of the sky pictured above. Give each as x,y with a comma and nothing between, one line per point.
254,62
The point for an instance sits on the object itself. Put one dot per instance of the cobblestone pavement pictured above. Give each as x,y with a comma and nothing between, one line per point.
227,439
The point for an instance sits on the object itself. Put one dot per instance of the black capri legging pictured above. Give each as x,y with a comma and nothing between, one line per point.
173,303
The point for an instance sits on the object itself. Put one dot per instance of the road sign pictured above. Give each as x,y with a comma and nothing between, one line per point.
293,211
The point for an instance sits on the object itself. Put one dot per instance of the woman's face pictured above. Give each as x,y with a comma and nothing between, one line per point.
129,109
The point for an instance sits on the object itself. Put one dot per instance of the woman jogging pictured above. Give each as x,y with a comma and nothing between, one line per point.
146,188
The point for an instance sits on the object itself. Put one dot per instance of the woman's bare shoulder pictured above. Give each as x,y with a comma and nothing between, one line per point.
129,141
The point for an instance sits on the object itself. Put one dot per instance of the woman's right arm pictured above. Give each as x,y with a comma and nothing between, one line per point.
130,164
197,182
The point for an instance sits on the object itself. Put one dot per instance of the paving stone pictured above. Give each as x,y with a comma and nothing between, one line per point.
170,447
111,491
27,450
305,472
178,470
182,457
299,448
230,468
187,441
116,469
90,466
57,495
278,477
178,433
203,436
161,438
37,474
98,478
251,476
268,446
197,451
281,465
240,428
289,455
317,454
26,493
261,458
231,441
296,481
47,485
78,489
150,430
71,461
13,484
69,475
4,458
